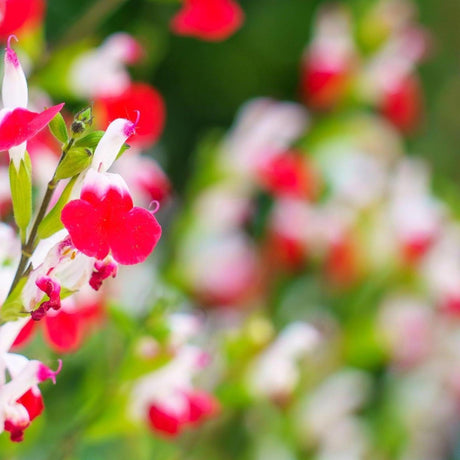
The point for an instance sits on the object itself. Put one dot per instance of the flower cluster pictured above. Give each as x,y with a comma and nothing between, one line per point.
299,216
85,226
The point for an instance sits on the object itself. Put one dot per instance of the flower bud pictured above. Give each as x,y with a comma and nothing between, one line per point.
112,141
82,121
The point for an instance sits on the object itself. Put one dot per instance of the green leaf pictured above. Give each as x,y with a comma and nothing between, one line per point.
21,193
51,223
90,140
58,128
75,161
13,307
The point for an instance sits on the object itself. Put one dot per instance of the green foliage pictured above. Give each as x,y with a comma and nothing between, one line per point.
59,129
13,308
21,193
76,160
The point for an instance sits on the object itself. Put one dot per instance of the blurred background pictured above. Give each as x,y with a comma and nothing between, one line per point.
205,83
310,241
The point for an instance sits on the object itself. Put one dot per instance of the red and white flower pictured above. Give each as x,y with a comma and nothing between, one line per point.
17,124
65,329
20,398
104,220
167,400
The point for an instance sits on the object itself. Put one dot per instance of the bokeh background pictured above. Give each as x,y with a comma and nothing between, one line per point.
204,84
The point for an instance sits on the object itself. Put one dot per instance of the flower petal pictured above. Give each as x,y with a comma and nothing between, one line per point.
133,236
25,334
85,226
19,125
63,332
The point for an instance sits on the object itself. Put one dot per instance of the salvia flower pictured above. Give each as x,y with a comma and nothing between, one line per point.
167,398
20,398
105,220
17,124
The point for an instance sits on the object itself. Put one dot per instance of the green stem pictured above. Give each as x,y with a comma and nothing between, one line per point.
29,246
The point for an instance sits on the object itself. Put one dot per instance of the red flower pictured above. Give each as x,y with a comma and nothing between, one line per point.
104,219
288,174
138,97
198,408
402,104
208,19
19,14
63,330
163,421
202,405
322,85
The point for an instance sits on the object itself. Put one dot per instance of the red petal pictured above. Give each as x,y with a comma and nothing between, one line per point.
322,87
403,104
133,236
138,97
25,335
208,19
85,225
201,405
288,174
33,402
18,13
19,125
63,332
164,422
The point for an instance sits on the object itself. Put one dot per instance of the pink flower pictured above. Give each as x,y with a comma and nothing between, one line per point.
104,220
208,19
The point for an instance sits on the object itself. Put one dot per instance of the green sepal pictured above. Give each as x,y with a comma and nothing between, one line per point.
21,193
123,149
92,139
75,161
13,308
51,223
58,128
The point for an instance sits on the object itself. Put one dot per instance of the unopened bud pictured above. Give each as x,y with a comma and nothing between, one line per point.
82,121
